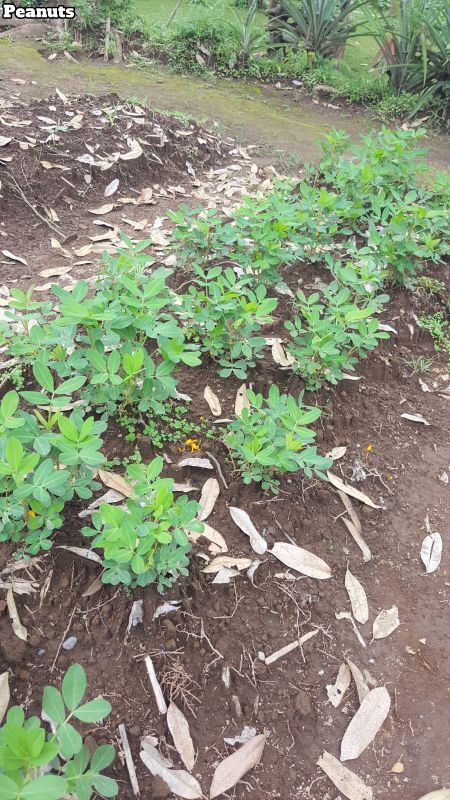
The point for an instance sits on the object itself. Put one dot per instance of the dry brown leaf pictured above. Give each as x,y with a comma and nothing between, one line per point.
344,779
116,482
243,521
81,551
357,597
203,463
281,356
397,768
385,623
356,534
337,690
179,728
4,140
12,257
102,210
241,401
208,497
344,487
439,794
336,453
233,768
351,511
18,628
4,694
213,401
431,551
135,152
179,782
416,418
301,560
146,196
366,723
54,271
218,543
361,685
227,561
93,588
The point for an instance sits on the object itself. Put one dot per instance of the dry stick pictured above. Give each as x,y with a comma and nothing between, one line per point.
129,760
19,191
218,467
63,639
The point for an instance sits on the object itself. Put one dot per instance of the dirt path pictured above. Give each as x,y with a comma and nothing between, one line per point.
258,115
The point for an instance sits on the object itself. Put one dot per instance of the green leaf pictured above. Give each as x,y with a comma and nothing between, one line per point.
94,711
71,385
103,757
69,739
53,705
9,404
44,377
13,453
68,429
74,686
47,787
105,786
9,790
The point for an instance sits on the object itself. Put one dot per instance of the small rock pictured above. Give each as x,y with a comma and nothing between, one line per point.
160,790
70,643
24,675
135,730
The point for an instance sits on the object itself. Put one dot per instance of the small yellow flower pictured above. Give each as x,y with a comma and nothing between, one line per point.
390,477
193,444
316,234
31,513
369,448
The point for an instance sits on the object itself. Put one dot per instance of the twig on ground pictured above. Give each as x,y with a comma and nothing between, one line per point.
218,467
129,760
16,188
63,639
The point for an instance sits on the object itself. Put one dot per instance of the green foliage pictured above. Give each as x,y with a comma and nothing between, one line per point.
271,438
226,315
330,333
35,765
320,26
430,286
147,541
438,327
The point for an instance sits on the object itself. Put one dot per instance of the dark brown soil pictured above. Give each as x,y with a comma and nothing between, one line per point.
403,461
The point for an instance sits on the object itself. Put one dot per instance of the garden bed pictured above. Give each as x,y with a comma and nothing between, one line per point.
402,462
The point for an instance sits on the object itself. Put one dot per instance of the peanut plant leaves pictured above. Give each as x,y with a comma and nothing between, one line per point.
301,560
233,768
385,623
213,401
431,552
179,729
357,597
4,694
344,779
243,521
344,487
366,723
208,497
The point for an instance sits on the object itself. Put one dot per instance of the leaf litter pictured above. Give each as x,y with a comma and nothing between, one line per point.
366,723
230,771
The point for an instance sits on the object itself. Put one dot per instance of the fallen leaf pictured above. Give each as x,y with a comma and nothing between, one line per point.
145,196
81,551
4,694
397,768
439,794
111,496
337,690
344,487
135,152
357,597
385,623
203,463
166,608
233,768
4,140
336,453
102,210
242,400
49,273
179,782
227,561
366,723
225,574
416,418
246,735
111,188
218,543
361,685
136,614
116,482
301,560
210,493
213,401
11,256
431,552
18,628
243,521
280,356
344,779
356,534
179,729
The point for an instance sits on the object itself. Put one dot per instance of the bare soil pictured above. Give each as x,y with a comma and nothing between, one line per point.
227,626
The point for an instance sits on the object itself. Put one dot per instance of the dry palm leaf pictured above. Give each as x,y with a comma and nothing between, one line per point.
345,781
243,521
301,560
366,723
233,768
208,497
213,401
385,623
344,487
179,728
357,597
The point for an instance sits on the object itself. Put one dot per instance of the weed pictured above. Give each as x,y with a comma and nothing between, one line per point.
419,365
